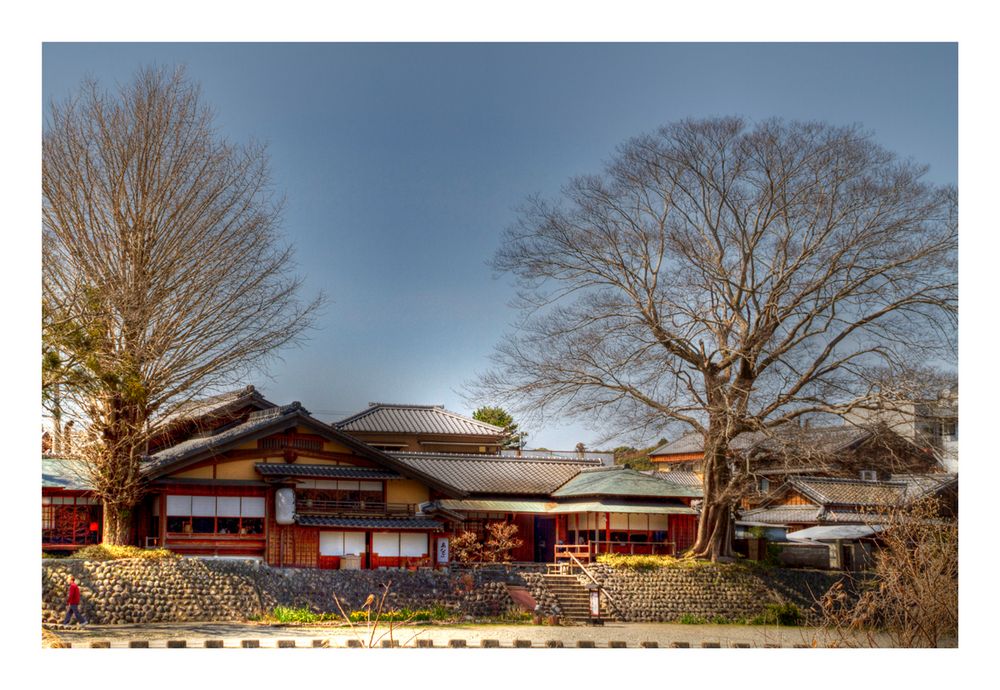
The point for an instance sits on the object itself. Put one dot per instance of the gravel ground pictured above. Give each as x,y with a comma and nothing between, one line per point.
632,634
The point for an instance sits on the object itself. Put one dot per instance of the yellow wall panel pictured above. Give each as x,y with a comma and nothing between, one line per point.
406,491
197,473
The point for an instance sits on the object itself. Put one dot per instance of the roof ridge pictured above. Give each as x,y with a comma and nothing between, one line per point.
849,480
374,407
484,457
277,411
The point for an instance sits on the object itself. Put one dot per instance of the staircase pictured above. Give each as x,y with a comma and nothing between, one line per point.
573,598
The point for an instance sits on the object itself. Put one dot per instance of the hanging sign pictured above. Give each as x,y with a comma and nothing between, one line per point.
442,550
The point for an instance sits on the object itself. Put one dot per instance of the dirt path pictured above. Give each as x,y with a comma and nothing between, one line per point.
632,634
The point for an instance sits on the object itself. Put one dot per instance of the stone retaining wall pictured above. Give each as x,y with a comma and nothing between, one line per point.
191,589
733,593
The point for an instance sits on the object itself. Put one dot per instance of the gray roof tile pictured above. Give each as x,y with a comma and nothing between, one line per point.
282,469
493,474
369,523
415,419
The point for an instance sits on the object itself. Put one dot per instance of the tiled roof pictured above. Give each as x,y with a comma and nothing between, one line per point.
788,438
682,477
215,405
829,491
550,507
257,421
62,473
283,469
919,485
781,515
493,474
369,523
415,419
621,481
264,422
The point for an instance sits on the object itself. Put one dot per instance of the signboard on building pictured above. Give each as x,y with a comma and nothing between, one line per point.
442,550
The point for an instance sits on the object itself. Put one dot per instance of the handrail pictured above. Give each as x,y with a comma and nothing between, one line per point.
611,600
321,507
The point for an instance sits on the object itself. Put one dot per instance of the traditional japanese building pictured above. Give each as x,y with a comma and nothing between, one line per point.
237,475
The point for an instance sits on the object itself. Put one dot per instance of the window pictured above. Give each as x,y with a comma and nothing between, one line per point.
341,543
869,475
215,514
396,544
343,491
764,484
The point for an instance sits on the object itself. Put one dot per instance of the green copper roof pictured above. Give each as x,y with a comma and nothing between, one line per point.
621,481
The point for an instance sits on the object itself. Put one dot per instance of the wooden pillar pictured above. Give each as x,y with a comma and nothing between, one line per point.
607,531
162,532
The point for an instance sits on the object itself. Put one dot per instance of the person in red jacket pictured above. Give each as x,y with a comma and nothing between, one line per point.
73,603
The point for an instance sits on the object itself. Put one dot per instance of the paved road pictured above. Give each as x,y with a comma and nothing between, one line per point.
632,634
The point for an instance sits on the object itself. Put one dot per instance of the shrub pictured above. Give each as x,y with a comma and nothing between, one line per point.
108,552
779,614
618,560
285,614
691,619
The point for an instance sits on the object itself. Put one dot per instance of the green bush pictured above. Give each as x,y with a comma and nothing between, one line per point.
285,614
108,552
691,619
779,614
620,560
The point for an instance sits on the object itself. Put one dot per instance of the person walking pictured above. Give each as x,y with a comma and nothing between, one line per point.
73,603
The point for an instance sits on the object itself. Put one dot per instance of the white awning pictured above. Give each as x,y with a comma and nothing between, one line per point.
833,532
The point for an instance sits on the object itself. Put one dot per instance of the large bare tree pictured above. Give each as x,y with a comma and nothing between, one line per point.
164,276
730,277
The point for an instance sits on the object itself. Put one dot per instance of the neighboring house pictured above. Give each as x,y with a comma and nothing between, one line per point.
71,516
766,460
237,475
421,428
931,424
808,502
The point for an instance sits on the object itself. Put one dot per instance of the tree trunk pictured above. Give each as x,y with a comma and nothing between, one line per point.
715,524
116,525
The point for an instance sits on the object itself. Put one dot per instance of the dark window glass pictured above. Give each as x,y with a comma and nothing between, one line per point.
228,525
659,536
178,524
252,526
203,525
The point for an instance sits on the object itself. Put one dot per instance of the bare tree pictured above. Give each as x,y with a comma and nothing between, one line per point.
912,593
164,276
730,278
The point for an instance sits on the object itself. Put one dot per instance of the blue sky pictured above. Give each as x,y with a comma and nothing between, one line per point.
402,163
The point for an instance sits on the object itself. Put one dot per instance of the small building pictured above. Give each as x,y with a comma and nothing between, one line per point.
71,515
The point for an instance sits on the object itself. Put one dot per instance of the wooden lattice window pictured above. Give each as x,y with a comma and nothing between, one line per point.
293,441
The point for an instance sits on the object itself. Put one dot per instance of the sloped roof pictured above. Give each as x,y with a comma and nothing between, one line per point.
216,406
257,421
682,477
621,481
493,474
828,491
781,515
62,473
527,505
262,423
787,437
415,419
